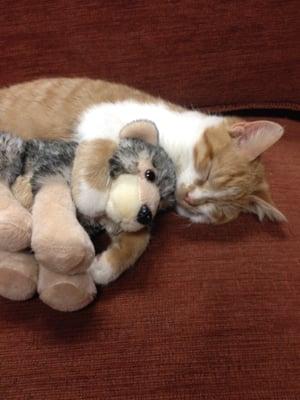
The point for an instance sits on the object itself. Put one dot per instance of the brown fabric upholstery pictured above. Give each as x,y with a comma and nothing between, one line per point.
202,53
209,312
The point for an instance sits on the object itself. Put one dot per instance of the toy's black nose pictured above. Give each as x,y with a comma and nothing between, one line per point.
144,216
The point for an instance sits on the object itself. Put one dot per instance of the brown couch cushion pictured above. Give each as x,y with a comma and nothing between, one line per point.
201,53
208,313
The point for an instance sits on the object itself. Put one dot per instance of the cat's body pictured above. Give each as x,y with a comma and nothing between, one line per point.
218,175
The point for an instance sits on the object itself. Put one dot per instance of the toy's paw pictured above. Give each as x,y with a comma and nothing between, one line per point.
15,228
14,285
102,271
67,296
18,276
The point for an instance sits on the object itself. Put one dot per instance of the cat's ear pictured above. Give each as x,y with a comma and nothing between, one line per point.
261,204
253,138
141,129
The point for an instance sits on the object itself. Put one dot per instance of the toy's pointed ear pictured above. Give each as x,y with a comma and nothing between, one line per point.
253,138
141,129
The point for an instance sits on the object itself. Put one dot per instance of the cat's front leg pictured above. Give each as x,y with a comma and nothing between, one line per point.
123,252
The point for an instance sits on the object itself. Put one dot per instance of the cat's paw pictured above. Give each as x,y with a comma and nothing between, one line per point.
102,271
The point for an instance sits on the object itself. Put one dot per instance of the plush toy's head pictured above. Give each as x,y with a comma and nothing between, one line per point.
142,177
123,185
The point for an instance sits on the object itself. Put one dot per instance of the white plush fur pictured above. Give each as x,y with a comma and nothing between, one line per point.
91,201
102,271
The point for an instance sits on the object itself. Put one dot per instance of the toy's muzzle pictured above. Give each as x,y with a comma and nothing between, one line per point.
133,202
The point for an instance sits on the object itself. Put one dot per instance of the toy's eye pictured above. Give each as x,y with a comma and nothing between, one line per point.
150,175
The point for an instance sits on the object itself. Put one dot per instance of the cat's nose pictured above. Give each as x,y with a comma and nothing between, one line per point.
144,216
189,200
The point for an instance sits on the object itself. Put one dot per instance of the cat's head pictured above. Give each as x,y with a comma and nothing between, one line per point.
228,177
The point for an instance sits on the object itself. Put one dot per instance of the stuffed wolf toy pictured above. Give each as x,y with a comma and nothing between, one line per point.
51,178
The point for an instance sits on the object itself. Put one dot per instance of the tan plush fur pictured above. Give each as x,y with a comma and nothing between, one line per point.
15,222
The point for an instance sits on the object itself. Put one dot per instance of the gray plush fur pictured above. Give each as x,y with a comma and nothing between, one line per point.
12,152
52,158
37,157
48,158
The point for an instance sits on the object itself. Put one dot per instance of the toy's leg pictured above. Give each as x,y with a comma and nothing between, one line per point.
65,292
22,190
124,251
15,222
58,240
18,275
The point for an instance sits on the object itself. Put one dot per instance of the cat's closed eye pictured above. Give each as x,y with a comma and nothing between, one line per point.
200,181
